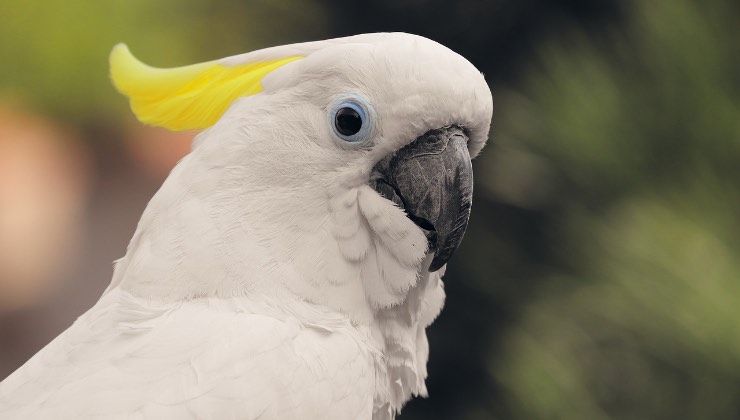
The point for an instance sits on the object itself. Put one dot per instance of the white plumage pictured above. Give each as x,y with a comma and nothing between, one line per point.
266,278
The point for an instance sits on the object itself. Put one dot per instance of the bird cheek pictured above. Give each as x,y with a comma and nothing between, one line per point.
393,230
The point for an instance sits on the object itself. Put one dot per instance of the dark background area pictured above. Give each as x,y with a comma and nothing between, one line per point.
599,277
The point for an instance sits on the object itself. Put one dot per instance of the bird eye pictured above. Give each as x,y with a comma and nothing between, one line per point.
350,119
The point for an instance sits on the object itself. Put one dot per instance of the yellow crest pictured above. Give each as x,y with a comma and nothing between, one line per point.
185,98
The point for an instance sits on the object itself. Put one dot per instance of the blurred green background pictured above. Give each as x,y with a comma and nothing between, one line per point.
600,275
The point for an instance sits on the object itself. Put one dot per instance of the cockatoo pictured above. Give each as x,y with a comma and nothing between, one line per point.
290,264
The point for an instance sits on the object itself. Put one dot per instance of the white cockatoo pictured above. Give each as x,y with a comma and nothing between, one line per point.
290,264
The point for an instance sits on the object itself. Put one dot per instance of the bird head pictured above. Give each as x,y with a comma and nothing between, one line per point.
340,168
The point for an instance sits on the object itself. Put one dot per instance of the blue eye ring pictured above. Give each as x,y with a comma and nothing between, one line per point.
351,120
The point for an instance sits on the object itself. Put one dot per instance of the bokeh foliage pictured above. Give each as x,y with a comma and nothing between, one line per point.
638,316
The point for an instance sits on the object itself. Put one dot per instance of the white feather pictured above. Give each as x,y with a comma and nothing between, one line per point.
222,358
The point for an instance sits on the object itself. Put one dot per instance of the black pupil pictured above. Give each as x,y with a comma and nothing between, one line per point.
348,122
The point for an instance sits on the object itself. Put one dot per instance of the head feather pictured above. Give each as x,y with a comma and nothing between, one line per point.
190,97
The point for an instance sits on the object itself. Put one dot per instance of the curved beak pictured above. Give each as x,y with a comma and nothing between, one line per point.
432,179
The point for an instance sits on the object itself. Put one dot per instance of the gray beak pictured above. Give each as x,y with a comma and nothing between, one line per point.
432,179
